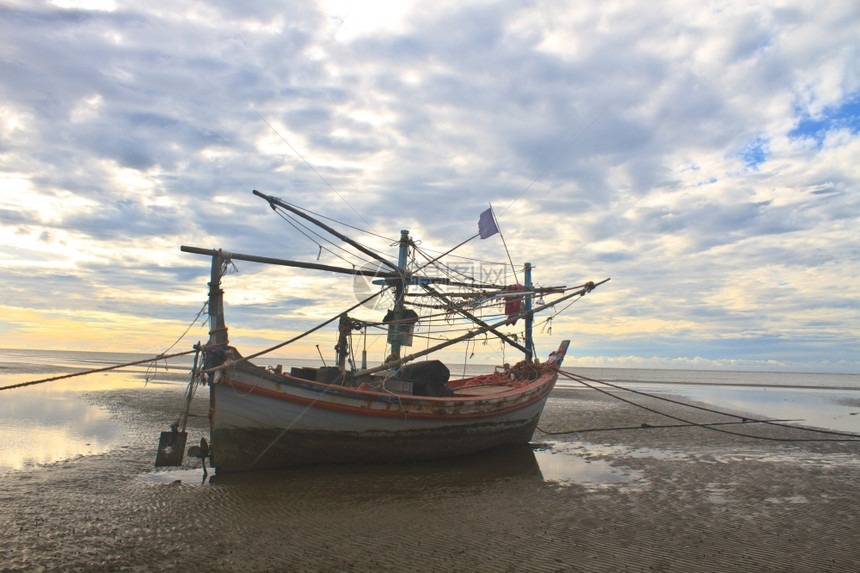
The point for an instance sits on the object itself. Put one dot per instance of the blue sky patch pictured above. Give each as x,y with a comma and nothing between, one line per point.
755,152
844,116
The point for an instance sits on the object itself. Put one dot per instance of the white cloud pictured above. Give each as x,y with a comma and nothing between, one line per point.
86,109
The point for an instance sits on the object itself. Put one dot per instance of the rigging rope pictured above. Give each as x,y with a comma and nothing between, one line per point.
446,270
354,228
554,161
298,226
152,369
295,338
313,169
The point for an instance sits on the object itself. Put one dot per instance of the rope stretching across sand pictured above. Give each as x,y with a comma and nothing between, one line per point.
96,370
585,381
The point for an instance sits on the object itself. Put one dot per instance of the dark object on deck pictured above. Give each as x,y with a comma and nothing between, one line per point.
328,375
303,372
429,378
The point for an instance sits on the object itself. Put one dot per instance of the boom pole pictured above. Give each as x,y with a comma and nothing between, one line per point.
275,201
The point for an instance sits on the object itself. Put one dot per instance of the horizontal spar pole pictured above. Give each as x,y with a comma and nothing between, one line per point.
502,293
287,263
387,276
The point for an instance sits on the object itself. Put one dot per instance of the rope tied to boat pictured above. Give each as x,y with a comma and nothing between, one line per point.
591,383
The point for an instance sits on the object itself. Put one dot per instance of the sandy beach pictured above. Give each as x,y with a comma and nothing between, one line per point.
648,499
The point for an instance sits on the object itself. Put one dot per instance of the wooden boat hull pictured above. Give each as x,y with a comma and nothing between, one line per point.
260,419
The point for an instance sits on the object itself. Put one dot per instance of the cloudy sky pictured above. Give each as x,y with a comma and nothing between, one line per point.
704,155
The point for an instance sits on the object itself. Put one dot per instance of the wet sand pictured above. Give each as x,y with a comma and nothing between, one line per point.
670,499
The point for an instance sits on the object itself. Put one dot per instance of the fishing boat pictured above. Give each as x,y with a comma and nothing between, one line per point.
402,409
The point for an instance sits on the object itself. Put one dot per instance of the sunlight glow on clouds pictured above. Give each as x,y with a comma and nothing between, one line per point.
357,20
86,109
90,330
100,5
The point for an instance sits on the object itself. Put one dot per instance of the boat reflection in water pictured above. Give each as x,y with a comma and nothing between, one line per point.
558,463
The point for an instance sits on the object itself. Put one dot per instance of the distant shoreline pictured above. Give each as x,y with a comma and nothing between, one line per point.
315,360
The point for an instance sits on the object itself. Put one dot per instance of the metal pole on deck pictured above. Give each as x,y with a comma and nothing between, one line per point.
529,315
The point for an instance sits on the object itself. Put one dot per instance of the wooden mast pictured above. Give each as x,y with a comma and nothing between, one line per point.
394,328
217,324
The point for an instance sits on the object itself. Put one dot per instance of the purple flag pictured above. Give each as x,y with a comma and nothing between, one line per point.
487,224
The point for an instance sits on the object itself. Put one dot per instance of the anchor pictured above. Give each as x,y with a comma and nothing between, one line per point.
171,447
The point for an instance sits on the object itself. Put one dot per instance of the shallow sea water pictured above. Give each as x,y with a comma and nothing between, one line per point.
55,421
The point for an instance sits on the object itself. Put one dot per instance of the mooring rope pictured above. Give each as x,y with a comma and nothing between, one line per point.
96,370
646,426
848,437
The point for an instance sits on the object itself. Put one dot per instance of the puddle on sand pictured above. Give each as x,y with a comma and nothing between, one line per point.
41,425
571,464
